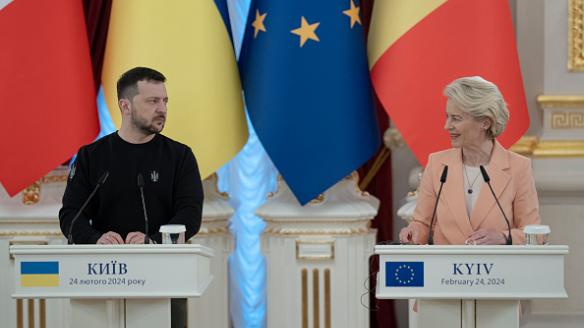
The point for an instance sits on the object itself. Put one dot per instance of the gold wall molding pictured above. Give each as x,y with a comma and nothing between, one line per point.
327,298
327,221
560,101
315,299
525,146
288,232
19,314
321,198
204,232
35,233
567,120
531,146
559,149
31,309
332,227
31,195
304,297
304,290
31,221
322,254
576,35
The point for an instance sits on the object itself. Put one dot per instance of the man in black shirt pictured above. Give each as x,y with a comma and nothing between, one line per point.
172,189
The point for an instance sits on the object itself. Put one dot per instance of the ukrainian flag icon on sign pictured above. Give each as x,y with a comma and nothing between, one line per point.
39,274
404,274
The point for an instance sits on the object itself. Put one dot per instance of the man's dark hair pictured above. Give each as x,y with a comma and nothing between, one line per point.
128,82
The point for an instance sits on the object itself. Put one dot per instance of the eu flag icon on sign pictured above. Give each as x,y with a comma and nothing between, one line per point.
404,274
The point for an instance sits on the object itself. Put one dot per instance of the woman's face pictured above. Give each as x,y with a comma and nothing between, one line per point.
464,130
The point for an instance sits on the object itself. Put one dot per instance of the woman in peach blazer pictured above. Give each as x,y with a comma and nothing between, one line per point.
467,212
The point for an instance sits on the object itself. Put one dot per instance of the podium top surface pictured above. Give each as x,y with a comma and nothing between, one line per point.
110,249
470,249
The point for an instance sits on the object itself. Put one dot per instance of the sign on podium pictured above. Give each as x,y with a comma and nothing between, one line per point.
470,286
145,276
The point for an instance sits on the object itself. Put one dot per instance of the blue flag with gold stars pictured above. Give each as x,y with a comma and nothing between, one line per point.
304,71
404,274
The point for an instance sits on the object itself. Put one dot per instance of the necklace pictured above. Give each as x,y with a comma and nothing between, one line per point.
470,185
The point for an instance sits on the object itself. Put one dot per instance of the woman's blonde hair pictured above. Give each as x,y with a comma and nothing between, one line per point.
481,99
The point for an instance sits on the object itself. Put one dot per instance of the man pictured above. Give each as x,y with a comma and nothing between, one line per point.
172,183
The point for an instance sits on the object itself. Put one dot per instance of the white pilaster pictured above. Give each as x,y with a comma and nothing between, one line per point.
318,257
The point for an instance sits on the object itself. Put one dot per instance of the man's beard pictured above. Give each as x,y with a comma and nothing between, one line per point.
144,126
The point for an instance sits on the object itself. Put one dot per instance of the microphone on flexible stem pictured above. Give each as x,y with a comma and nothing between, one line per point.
442,180
141,187
488,181
100,182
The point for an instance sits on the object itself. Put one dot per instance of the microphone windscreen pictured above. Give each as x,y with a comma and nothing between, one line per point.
485,175
444,174
103,177
140,180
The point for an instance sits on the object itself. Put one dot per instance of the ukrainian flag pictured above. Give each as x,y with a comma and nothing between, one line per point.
189,42
39,274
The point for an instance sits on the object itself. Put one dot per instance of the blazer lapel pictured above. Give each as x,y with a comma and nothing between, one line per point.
453,192
498,172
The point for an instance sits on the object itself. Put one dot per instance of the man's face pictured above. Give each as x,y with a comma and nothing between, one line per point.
148,107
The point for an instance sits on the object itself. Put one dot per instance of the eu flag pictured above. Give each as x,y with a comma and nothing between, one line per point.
305,76
404,274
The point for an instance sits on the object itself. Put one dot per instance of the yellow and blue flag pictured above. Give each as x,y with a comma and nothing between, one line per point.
39,274
306,80
190,43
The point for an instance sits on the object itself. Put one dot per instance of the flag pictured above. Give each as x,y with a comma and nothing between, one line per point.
188,42
39,274
416,48
48,96
307,90
404,274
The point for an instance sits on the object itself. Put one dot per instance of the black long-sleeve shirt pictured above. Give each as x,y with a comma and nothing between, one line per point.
173,189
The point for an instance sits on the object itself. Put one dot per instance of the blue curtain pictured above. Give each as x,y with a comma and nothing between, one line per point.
248,178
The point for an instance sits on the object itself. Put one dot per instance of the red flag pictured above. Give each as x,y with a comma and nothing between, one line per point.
47,96
417,48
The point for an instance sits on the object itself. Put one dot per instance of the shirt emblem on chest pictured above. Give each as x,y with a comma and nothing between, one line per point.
154,176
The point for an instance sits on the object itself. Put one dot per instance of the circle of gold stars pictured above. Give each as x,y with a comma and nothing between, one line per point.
405,267
306,31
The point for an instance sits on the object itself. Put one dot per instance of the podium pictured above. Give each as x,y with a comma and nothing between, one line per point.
470,286
113,285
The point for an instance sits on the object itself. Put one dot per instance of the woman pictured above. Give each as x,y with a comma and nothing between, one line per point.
467,212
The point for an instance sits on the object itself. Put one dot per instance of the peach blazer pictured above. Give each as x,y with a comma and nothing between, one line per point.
512,180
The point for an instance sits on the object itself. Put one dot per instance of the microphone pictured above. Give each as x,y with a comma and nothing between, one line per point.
488,181
141,187
100,182
442,180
